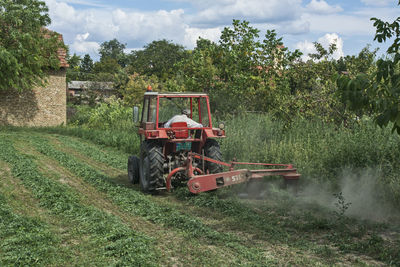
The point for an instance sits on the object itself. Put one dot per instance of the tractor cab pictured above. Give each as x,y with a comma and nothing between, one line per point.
162,118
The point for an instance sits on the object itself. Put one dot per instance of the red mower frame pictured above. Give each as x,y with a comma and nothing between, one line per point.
201,182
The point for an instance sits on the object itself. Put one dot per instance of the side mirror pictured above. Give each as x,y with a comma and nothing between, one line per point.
135,114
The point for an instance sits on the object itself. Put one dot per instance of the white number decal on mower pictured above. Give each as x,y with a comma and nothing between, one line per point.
236,178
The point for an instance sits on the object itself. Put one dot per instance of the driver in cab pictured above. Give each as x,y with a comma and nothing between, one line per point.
183,118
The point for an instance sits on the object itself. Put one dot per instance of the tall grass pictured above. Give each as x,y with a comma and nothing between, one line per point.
320,151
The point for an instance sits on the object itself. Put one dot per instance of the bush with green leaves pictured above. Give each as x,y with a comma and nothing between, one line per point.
27,49
111,114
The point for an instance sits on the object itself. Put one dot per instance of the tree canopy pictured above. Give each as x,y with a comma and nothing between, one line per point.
242,70
86,64
24,52
379,93
113,49
157,58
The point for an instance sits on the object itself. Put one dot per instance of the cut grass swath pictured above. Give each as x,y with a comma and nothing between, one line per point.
25,241
118,243
138,204
111,157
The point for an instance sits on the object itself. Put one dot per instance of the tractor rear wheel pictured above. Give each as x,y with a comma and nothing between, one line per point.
133,169
212,150
151,166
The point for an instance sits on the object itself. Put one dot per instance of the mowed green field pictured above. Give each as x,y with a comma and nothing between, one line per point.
67,202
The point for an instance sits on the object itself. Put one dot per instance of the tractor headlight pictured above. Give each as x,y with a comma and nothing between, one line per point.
221,126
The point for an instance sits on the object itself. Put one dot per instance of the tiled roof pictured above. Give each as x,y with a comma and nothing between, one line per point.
84,85
61,52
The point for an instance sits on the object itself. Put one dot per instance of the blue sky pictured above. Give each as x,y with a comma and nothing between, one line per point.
85,24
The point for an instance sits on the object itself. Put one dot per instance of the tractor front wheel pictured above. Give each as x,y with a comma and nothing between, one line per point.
151,166
212,150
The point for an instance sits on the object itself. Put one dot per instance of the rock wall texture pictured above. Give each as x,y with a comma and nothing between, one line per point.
43,106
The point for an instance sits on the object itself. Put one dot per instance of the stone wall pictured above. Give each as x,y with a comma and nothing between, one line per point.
43,106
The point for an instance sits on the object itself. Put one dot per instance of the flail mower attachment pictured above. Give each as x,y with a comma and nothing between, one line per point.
201,182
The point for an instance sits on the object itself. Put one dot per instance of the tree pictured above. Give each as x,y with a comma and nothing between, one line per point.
106,65
74,61
115,50
199,70
364,62
87,64
378,93
136,87
157,58
241,71
24,52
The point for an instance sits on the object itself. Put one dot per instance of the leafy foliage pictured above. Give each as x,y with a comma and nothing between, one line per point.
241,72
111,113
86,64
107,66
379,93
113,49
74,61
134,90
157,58
341,205
27,49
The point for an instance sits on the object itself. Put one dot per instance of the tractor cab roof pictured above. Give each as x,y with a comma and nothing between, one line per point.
174,94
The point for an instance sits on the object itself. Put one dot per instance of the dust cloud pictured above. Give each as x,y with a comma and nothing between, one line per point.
367,196
360,189
363,193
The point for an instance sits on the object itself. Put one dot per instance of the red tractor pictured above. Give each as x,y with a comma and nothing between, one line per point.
178,149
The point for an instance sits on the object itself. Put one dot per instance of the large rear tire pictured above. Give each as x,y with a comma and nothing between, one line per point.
133,169
151,166
212,150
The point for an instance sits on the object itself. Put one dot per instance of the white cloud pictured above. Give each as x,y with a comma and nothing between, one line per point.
223,11
308,47
150,26
132,27
295,27
342,24
377,2
81,46
193,34
82,37
92,3
322,7
333,38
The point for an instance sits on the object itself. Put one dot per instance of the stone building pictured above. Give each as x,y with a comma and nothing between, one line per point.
41,106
